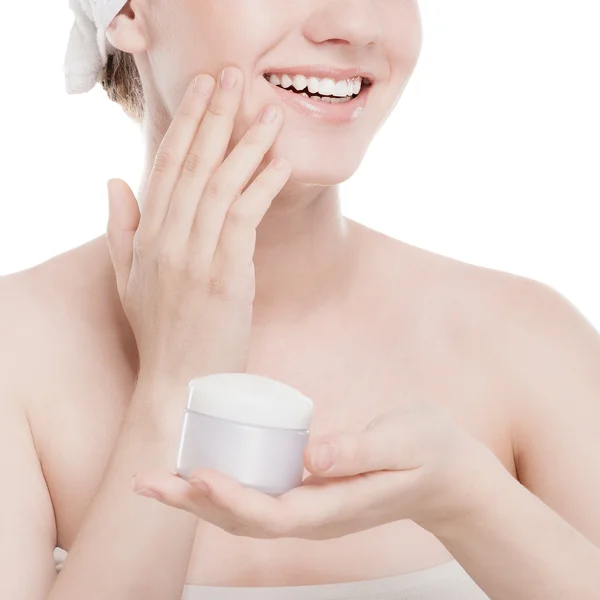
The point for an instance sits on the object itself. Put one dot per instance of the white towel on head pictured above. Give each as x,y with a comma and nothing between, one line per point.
88,48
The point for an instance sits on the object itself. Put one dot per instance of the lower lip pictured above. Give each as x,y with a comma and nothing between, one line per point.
342,112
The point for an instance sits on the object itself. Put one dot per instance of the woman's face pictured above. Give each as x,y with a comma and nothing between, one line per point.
382,37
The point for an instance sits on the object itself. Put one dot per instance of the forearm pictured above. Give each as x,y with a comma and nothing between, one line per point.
517,548
130,547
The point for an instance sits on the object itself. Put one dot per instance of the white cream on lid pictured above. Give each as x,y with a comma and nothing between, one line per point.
250,399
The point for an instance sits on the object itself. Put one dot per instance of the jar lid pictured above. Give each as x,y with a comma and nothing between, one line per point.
251,399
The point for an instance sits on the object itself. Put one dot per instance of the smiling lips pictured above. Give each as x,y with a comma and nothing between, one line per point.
325,109
332,95
346,88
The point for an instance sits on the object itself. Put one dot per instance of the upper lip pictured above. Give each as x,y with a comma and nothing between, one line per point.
323,71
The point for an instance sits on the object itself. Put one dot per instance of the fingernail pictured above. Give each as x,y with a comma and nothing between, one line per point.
324,457
203,85
148,493
279,164
268,114
200,486
228,78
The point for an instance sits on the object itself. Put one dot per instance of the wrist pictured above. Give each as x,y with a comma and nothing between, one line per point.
158,404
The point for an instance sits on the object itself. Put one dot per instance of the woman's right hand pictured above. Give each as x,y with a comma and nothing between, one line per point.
184,269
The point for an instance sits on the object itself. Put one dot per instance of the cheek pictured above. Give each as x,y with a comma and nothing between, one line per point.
205,39
402,34
226,31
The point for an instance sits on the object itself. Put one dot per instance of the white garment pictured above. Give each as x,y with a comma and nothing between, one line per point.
448,581
88,48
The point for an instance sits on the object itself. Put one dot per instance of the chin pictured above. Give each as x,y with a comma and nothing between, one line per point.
324,166
321,174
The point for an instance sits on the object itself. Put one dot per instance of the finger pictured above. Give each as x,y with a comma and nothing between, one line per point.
205,155
228,182
170,489
241,505
123,221
388,444
173,150
235,249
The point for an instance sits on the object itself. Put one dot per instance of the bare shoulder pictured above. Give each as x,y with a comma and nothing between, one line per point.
530,329
542,359
52,317
484,301
64,375
68,357
529,333
77,279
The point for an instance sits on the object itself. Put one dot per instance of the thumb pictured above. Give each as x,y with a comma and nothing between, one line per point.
384,445
123,221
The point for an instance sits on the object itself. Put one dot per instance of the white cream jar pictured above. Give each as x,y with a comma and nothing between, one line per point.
251,428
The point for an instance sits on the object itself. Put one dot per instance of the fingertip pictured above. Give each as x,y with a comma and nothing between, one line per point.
203,84
204,475
111,184
148,493
168,484
214,484
323,457
200,486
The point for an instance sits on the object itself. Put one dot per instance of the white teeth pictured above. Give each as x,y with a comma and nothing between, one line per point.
305,95
326,87
341,89
313,85
334,100
299,82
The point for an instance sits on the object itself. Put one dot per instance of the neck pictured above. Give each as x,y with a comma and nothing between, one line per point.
303,257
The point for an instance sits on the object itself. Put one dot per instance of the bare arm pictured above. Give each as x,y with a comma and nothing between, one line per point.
540,539
517,548
128,547
27,530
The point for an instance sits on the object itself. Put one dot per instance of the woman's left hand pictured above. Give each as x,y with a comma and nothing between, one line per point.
411,463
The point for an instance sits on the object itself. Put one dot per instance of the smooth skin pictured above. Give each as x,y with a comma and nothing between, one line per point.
364,325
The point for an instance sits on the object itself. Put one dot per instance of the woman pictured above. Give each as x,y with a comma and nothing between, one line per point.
455,450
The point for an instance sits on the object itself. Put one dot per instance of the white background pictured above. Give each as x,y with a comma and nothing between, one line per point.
492,156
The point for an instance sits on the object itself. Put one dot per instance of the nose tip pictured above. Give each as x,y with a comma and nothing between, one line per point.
352,22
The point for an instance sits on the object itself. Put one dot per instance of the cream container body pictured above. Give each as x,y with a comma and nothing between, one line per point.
251,428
